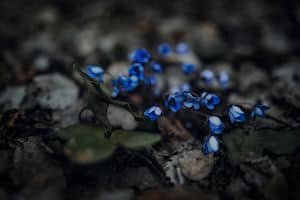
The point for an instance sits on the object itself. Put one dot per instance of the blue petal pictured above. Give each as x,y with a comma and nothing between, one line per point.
164,49
95,72
216,99
224,79
188,104
259,110
188,68
174,102
207,75
216,125
156,67
137,70
140,56
182,48
153,113
211,145
185,87
236,114
196,106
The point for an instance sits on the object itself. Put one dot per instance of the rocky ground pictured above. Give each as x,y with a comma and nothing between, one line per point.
258,42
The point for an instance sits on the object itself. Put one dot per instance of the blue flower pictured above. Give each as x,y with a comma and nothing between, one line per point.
185,87
236,114
132,83
153,113
191,101
210,100
182,48
150,80
164,49
188,68
224,79
174,101
115,91
137,70
95,72
207,75
259,110
156,67
125,84
216,126
211,145
140,56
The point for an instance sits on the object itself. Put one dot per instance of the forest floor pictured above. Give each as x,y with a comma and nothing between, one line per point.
258,43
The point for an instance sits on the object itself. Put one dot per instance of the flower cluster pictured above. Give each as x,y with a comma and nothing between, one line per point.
208,76
140,59
141,71
178,100
166,50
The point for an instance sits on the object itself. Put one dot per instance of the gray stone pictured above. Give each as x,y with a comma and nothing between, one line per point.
195,165
54,91
119,117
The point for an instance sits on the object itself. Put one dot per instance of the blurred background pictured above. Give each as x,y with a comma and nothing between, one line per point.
47,35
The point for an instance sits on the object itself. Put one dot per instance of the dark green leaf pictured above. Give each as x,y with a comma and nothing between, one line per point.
134,139
86,144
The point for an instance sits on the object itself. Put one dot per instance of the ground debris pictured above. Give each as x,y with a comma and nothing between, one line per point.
173,129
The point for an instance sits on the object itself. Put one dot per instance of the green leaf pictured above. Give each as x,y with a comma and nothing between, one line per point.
86,144
241,146
134,139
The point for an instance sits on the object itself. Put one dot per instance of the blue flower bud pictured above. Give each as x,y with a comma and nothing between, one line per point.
133,82
216,126
191,101
188,68
156,67
236,114
125,84
174,102
153,113
95,72
115,92
224,79
182,48
137,70
211,145
164,49
208,76
259,110
140,56
185,87
210,100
